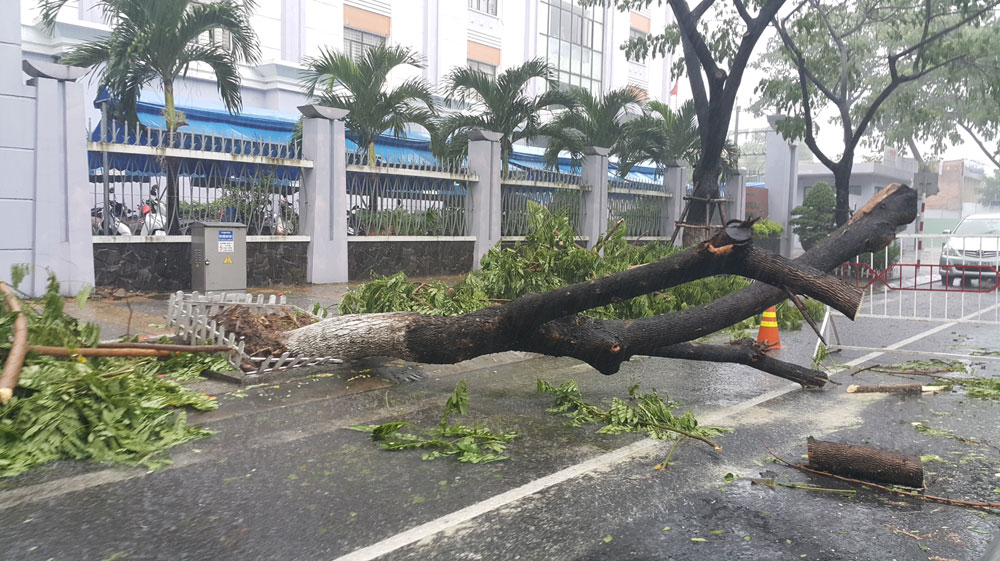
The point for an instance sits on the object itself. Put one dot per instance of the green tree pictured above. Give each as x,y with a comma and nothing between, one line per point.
334,79
667,138
500,104
159,41
714,58
958,103
813,219
989,193
601,121
848,59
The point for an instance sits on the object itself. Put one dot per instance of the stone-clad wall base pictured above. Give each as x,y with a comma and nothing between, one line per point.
415,258
166,267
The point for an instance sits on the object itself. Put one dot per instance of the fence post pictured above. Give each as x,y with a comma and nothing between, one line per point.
482,202
323,202
63,243
736,187
594,203
781,176
673,183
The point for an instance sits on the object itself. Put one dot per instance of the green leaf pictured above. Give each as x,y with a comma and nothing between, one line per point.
699,540
83,295
607,539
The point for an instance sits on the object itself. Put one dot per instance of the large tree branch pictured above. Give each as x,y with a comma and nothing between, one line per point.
993,157
749,353
688,25
601,343
920,45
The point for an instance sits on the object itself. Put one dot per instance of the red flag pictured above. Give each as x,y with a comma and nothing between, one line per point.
677,83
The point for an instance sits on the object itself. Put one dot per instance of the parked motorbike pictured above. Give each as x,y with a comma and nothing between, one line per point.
119,218
153,220
282,222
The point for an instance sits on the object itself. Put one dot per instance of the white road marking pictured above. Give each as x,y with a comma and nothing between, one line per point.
448,521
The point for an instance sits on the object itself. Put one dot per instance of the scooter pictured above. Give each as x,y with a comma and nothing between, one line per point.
153,221
117,221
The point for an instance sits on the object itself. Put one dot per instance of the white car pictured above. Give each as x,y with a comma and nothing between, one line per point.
974,252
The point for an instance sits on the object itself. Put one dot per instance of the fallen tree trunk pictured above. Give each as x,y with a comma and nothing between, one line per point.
866,463
546,323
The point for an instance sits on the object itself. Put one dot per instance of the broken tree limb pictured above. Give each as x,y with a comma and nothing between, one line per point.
887,388
515,325
545,323
98,352
168,347
18,349
749,353
866,463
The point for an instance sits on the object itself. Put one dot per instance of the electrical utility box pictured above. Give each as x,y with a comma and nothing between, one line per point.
218,256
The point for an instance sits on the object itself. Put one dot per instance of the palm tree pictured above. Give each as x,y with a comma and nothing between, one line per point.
159,40
596,121
335,79
667,137
497,104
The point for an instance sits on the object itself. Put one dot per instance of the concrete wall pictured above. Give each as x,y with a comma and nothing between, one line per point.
44,206
415,258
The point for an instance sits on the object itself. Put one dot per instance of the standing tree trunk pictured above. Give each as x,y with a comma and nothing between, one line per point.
842,186
171,165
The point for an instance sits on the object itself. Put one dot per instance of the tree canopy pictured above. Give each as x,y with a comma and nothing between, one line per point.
846,60
502,104
361,86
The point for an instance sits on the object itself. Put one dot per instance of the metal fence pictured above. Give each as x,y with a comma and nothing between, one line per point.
409,194
525,190
216,179
643,205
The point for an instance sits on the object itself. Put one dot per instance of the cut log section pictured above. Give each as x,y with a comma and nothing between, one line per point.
886,388
866,463
905,389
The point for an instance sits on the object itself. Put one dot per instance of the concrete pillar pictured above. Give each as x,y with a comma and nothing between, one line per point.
781,172
594,203
736,188
673,183
293,30
45,203
323,200
482,202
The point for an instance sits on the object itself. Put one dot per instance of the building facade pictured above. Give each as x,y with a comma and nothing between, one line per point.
584,45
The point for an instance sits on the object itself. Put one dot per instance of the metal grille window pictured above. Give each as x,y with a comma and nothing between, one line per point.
357,41
485,68
485,6
575,42
219,37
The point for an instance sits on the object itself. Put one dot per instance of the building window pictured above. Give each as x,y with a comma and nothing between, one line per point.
485,6
575,43
219,37
484,67
356,42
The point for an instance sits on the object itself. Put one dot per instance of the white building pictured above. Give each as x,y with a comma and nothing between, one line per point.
583,44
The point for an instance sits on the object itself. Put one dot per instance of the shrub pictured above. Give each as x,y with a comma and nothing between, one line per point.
813,220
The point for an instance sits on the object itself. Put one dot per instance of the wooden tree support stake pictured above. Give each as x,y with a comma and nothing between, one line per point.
18,350
866,463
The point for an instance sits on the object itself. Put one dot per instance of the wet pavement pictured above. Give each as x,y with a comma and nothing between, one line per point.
284,479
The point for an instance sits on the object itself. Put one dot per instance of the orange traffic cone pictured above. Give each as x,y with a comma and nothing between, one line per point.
768,332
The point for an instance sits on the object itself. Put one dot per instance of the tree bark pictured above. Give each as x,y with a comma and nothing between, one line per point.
18,348
905,389
866,463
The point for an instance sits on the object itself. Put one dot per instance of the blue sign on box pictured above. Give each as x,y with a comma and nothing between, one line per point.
226,242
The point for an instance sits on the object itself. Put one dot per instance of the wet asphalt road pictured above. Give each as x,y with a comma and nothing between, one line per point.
283,479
